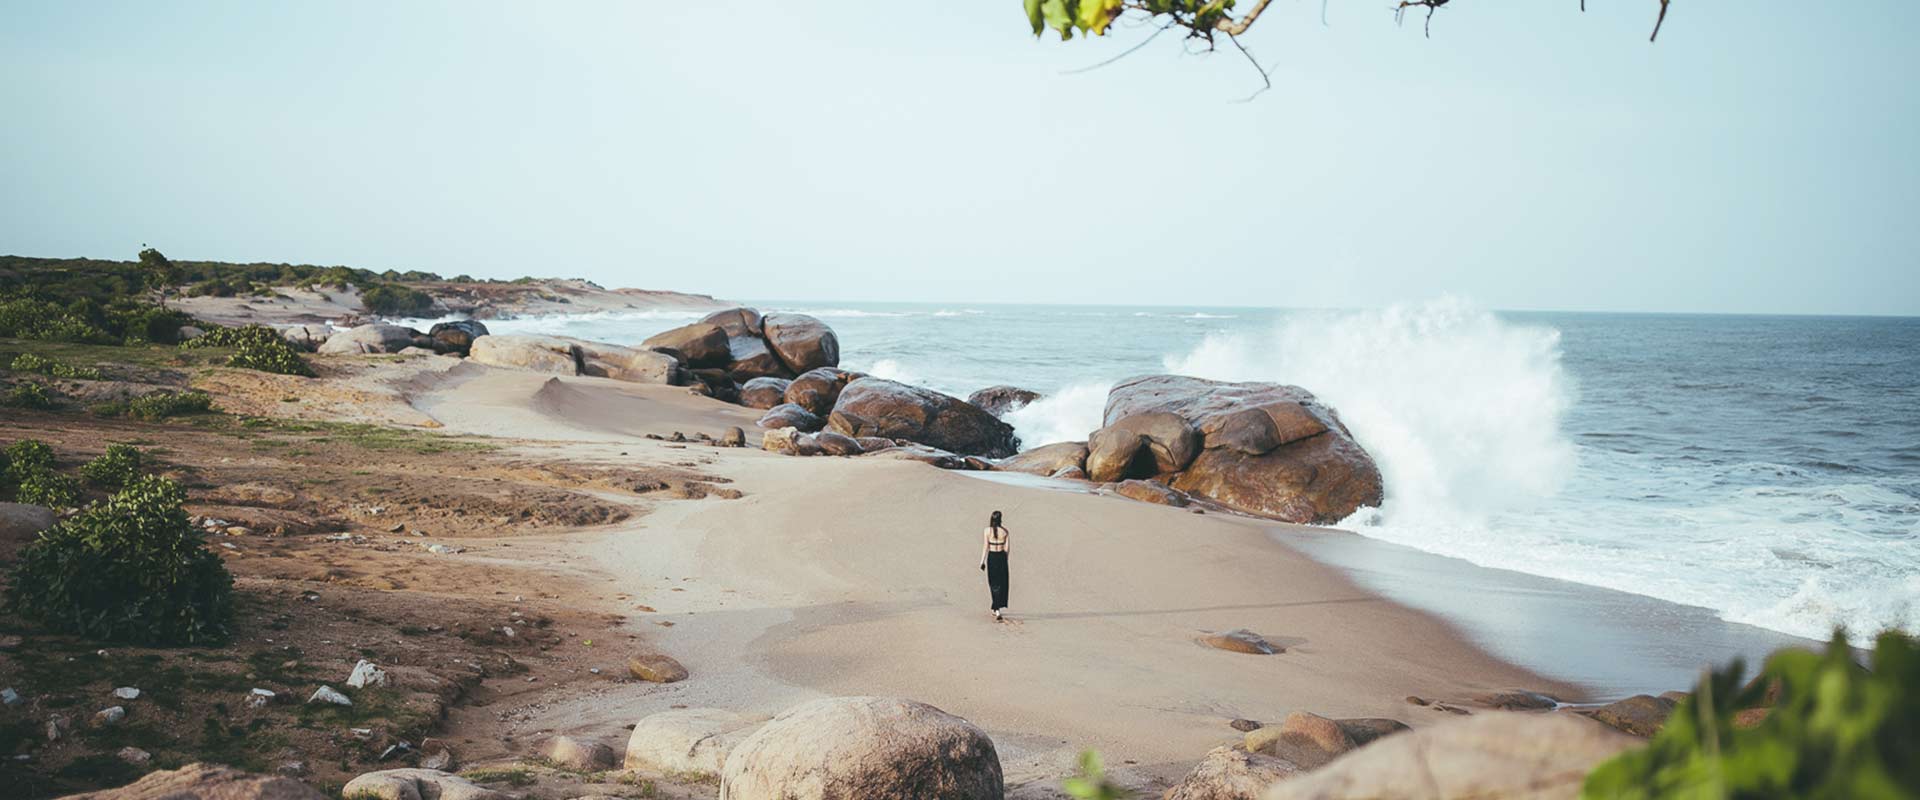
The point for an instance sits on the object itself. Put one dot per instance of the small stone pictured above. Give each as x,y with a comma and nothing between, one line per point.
57,727
9,696
135,755
1416,700
733,437
656,668
109,716
361,733
10,643
259,698
366,674
291,769
1244,725
396,528
328,694
127,693
239,530
435,754
578,754
1518,701
593,670
1242,640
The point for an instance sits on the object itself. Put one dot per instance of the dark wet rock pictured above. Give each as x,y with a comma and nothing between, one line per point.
764,392
732,437
718,383
1241,640
788,415
1047,459
998,400
817,389
834,444
701,344
802,342
1517,701
753,359
1640,715
456,336
1244,725
736,322
878,407
875,444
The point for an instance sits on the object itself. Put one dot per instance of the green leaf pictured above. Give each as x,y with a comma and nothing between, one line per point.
1033,16
1096,15
1058,16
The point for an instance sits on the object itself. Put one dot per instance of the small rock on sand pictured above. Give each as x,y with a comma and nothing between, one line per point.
1241,640
328,694
413,784
1640,715
1230,773
655,668
577,754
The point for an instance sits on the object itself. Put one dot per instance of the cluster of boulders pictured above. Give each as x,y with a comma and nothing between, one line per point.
834,412
1260,448
728,349
444,338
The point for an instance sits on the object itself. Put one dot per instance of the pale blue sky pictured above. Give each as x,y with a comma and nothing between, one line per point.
1762,157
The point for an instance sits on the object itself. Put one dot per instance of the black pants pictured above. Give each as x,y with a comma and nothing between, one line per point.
997,579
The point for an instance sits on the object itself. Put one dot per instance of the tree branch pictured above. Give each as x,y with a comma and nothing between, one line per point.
1232,27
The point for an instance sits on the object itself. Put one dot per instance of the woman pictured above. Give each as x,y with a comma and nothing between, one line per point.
993,559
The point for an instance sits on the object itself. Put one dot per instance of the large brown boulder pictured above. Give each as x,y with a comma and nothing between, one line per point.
701,344
788,415
801,342
878,407
1491,756
206,782
736,321
1142,446
753,359
764,392
852,748
602,360
456,336
1151,492
998,400
1230,773
1640,715
378,337
1046,459
817,389
1304,738
537,353
1292,460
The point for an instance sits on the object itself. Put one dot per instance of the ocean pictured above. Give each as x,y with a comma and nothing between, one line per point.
1765,468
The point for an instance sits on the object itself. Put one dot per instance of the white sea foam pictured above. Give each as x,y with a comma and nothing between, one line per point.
1066,415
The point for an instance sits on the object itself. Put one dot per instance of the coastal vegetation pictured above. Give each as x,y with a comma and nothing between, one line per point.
256,347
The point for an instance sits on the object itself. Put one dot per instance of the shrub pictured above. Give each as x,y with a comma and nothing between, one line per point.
1835,730
29,362
395,300
50,489
156,406
256,347
27,394
26,318
115,469
26,457
130,569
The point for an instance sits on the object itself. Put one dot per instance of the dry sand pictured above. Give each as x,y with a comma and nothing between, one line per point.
859,576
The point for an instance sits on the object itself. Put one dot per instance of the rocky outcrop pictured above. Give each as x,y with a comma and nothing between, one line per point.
1366,729
456,337
701,344
736,321
602,360
1150,492
998,400
816,390
1230,773
378,337
688,740
1047,459
846,748
1493,756
753,359
878,407
1306,739
416,784
802,342
1640,715
1261,448
764,392
206,782
834,444
519,351
788,415
306,337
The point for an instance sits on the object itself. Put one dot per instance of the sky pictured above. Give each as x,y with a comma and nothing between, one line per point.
1759,158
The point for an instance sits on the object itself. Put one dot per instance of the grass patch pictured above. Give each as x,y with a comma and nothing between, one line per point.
512,776
372,437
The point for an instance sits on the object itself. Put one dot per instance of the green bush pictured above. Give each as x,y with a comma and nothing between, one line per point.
131,569
395,300
1835,731
256,347
48,488
26,457
27,318
115,469
30,362
27,394
156,406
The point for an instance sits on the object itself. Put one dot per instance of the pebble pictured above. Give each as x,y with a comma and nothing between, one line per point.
9,696
366,674
109,716
57,727
127,693
260,697
135,755
328,694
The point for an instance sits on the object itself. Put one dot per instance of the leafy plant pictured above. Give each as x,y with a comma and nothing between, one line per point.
30,362
395,300
160,405
1835,731
1090,781
117,468
130,569
27,394
27,318
257,347
48,488
26,457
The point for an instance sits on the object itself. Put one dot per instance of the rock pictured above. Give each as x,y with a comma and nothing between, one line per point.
1676,697
764,392
418,351
817,389
260,698
1367,729
535,353
736,321
9,697
655,668
1518,700
134,756
127,693
1322,476
1070,473
112,715
456,336
732,437
717,383
862,747
874,444
436,754
782,441
21,522
378,337
998,400
688,740
188,333
701,344
291,769
801,342
578,754
1046,459
1142,446
416,784
58,726
1244,725
1640,715
753,359
923,454
788,415
878,407
1230,773
834,444
1493,756
602,360
1750,718
366,674
1150,492
306,337
1304,739
328,694
207,782
1241,640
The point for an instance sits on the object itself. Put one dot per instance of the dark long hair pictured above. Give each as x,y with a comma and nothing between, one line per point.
994,521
